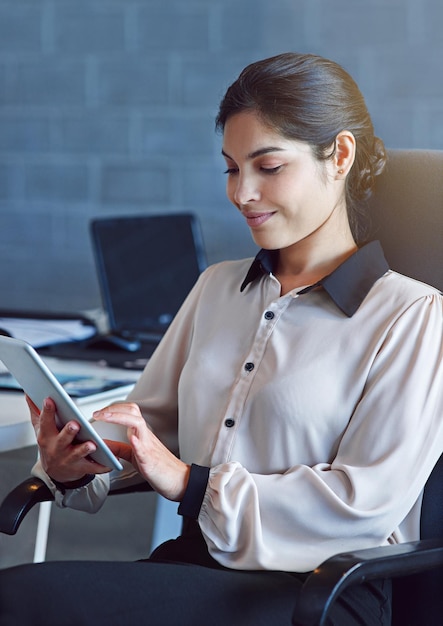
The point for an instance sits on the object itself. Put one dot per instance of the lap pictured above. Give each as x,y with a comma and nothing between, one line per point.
155,593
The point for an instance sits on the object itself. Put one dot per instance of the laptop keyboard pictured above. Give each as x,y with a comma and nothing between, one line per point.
79,350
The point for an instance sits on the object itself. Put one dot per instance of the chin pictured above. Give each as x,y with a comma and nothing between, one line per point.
268,243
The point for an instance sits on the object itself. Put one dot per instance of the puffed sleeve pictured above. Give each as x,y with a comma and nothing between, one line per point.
367,494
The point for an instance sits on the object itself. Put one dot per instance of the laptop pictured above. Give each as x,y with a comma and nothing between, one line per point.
146,266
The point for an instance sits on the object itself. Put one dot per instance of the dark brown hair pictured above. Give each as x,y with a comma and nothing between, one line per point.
311,99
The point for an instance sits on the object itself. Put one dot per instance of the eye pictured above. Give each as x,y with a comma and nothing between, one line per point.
231,170
271,170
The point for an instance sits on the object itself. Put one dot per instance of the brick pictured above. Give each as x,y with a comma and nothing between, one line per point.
393,123
183,26
94,133
17,234
432,17
85,28
242,27
50,283
24,133
371,24
262,29
178,135
410,73
70,232
204,184
20,27
226,235
5,184
134,184
284,22
49,81
11,183
204,81
61,182
133,80
434,127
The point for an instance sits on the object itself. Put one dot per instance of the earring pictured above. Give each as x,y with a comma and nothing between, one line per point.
340,171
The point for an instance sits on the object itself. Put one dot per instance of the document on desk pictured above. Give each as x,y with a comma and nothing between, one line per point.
44,332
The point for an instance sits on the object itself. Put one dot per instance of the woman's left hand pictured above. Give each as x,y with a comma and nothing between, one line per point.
167,474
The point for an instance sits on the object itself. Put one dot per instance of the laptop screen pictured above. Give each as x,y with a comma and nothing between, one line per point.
146,266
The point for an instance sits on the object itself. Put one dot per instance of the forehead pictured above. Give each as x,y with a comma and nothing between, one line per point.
246,134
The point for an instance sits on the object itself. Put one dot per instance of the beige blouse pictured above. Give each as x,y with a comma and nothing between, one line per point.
319,413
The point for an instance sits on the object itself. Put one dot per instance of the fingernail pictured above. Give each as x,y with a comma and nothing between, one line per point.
105,416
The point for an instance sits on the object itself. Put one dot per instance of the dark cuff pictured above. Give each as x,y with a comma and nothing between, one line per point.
192,500
75,484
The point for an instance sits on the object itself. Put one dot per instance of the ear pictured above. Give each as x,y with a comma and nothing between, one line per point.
344,153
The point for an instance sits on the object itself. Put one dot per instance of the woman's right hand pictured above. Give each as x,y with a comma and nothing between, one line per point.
61,457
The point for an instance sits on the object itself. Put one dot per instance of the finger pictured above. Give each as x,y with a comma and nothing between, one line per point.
34,413
48,423
48,426
78,455
120,449
45,420
32,407
126,408
114,415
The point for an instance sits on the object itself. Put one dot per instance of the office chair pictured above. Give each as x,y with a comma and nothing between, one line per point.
406,215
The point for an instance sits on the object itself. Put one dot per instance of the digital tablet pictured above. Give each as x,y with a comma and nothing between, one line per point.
38,382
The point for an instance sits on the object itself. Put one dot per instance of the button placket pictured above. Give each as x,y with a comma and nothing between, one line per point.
235,408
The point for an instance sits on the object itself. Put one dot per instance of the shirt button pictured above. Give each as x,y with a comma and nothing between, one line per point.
249,367
269,315
229,423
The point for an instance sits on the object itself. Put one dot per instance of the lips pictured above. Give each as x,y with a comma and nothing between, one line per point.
257,219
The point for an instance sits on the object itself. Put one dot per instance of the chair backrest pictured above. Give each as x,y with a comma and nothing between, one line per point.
406,215
431,522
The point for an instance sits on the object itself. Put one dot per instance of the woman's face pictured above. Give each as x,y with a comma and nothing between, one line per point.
285,194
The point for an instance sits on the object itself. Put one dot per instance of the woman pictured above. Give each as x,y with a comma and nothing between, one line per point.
292,409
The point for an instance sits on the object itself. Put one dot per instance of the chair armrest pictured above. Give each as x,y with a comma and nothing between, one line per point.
326,583
31,491
19,501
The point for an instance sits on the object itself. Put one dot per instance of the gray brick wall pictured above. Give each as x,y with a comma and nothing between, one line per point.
107,107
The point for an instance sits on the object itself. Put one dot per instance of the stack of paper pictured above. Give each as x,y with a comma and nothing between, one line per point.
44,332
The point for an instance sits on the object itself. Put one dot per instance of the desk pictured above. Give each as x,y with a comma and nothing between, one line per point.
16,431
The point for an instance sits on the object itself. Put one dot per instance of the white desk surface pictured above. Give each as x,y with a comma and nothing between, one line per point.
16,430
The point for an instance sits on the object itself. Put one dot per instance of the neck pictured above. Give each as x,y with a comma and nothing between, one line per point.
307,262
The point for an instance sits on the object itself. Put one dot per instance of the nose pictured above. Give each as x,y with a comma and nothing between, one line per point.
244,190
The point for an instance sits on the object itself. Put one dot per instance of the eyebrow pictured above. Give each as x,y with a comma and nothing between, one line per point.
257,153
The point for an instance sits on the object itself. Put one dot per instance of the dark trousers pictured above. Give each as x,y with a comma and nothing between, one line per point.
163,591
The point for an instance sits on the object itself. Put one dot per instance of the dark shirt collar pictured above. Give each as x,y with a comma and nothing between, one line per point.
348,285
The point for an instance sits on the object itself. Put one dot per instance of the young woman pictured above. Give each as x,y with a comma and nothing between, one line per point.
294,407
